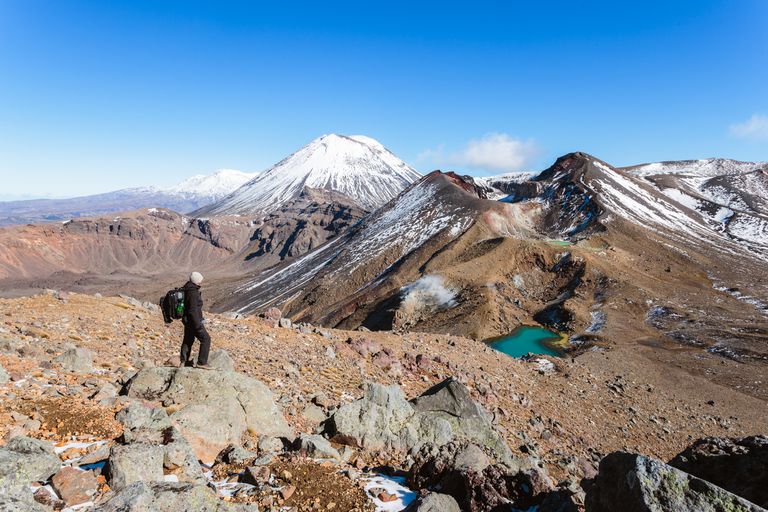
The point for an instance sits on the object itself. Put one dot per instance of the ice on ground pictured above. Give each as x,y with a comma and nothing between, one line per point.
392,485
723,214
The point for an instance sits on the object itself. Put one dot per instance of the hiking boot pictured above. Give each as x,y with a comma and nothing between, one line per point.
204,366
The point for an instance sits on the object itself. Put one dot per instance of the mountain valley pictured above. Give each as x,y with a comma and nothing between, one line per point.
341,268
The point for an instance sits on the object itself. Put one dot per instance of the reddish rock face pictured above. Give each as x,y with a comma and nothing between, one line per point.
75,486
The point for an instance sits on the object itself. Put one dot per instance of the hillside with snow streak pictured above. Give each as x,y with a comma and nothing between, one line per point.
728,196
357,166
434,211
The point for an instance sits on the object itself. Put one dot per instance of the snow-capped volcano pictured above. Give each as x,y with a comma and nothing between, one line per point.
357,166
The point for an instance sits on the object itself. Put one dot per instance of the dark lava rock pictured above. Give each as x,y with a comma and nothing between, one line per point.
467,473
737,465
635,483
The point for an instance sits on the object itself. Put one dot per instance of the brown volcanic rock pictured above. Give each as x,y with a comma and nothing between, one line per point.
388,246
467,473
302,225
142,242
75,486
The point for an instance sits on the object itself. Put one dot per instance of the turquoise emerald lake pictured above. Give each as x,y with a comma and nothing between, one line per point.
525,339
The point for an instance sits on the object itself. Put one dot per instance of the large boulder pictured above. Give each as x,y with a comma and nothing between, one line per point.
146,426
4,377
378,421
433,502
75,486
132,463
25,460
211,408
170,497
76,360
635,483
450,401
384,420
22,461
468,473
737,465
19,498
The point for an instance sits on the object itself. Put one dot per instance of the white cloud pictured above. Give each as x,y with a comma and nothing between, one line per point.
492,152
756,127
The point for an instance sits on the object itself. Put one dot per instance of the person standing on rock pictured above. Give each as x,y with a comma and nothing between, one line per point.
194,324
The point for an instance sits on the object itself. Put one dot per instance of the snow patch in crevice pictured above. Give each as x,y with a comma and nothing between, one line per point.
394,486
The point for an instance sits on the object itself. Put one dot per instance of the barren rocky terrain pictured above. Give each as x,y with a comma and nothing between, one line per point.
567,413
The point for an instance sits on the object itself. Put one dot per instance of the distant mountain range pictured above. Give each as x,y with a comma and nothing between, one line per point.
190,194
338,232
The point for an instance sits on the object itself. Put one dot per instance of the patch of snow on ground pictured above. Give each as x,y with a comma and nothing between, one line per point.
682,198
394,486
598,321
77,445
81,506
544,365
751,229
602,166
723,214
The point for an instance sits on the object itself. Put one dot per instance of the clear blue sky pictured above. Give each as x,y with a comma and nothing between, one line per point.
100,95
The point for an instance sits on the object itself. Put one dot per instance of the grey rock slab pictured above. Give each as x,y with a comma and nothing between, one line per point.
170,497
76,360
384,419
142,423
376,421
221,360
434,502
269,444
4,377
145,425
135,463
105,392
316,446
635,483
18,498
25,460
313,414
450,401
212,408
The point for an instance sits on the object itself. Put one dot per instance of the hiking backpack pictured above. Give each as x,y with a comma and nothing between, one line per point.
172,305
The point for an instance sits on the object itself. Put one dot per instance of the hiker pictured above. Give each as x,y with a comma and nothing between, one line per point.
194,324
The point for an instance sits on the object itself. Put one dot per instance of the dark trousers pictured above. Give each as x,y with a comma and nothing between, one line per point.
190,333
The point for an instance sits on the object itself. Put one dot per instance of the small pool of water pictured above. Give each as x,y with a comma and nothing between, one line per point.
525,339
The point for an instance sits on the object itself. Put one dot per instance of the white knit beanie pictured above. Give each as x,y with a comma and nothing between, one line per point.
196,277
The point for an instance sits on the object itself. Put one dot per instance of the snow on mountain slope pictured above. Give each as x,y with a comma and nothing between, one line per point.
731,197
504,185
356,166
190,194
708,167
582,194
214,186
438,206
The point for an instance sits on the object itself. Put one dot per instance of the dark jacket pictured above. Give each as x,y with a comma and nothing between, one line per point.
193,305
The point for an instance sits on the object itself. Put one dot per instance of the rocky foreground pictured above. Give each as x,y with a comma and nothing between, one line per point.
94,416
